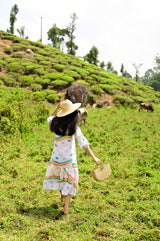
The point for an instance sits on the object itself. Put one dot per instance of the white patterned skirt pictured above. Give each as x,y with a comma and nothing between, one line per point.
64,179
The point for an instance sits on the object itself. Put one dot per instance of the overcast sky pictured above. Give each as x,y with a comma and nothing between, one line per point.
124,31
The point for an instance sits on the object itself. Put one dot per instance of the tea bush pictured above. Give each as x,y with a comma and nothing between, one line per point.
35,87
124,100
59,67
14,67
83,82
26,80
72,74
8,50
44,82
96,89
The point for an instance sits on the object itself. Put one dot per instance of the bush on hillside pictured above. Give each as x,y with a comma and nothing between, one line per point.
83,82
17,55
31,68
44,82
8,50
26,80
123,100
96,89
51,98
59,67
59,83
8,119
15,67
35,87
72,74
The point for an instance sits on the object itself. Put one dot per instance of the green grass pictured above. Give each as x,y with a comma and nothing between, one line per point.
124,207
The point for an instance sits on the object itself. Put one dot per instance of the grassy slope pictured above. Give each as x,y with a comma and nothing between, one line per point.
50,71
124,207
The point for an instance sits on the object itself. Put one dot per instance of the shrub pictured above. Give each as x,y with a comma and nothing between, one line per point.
95,77
39,95
96,89
45,62
51,98
59,83
35,87
14,67
53,76
107,88
2,64
80,71
72,74
30,68
59,67
1,82
3,77
59,76
11,60
42,52
18,47
17,55
43,82
92,98
26,80
8,119
83,82
90,80
124,100
39,71
8,50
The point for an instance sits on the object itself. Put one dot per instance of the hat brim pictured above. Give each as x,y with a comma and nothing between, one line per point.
62,113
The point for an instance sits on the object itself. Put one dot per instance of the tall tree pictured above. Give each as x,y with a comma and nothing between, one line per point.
21,32
71,46
137,68
102,64
122,69
157,62
13,13
92,56
109,66
56,35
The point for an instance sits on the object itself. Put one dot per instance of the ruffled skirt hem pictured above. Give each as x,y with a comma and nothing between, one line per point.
63,179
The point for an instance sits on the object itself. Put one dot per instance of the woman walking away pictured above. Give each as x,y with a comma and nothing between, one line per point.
62,171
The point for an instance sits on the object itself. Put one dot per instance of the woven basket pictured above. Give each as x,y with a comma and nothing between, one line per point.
100,174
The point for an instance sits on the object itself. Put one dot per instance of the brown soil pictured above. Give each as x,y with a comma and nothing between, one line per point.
4,43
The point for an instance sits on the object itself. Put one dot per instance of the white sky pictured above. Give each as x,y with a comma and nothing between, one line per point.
124,31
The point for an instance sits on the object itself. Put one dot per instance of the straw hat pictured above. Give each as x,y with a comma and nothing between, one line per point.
67,107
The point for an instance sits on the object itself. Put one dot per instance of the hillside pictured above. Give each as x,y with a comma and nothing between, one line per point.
122,208
48,72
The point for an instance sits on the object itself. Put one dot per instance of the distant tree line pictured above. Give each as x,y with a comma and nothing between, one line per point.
152,76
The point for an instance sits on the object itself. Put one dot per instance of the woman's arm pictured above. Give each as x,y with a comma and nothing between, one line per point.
93,156
56,110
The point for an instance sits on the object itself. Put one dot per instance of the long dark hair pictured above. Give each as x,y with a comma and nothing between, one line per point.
65,125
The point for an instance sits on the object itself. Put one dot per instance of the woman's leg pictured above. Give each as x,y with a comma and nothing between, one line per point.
66,205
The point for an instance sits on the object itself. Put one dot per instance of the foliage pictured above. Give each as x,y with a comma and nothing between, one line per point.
13,13
97,89
56,35
92,56
71,46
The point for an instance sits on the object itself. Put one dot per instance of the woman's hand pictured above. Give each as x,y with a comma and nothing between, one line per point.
97,161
